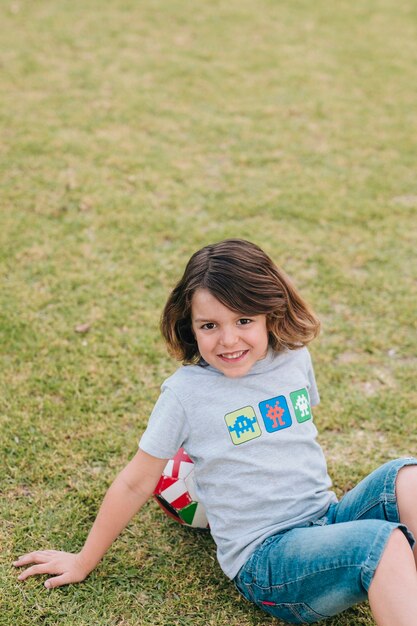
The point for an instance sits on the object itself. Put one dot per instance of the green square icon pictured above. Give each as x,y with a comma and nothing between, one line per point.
243,425
301,404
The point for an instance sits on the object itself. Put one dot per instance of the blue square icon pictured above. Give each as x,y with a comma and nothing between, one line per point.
275,414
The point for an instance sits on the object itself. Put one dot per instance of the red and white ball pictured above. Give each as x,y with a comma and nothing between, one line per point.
175,492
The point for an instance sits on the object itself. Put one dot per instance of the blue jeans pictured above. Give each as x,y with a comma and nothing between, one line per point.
306,574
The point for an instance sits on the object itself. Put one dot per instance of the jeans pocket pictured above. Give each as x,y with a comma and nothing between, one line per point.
292,612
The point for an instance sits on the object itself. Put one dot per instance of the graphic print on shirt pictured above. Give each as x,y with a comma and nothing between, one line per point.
301,403
275,414
243,425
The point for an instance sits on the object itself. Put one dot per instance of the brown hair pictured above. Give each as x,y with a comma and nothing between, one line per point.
244,279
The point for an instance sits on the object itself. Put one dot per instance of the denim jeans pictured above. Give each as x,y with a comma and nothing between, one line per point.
308,573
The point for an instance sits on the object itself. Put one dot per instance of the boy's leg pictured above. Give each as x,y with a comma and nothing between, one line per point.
406,490
305,575
375,497
310,573
390,493
393,590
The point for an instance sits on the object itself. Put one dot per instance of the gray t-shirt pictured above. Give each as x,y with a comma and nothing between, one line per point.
258,466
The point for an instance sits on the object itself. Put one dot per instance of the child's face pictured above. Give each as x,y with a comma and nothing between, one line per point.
229,341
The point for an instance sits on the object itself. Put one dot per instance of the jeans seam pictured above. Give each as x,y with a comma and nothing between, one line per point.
251,595
296,580
250,567
387,496
374,556
293,611
382,499
291,607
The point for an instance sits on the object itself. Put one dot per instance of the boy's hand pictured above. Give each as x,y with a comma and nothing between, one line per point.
128,492
68,566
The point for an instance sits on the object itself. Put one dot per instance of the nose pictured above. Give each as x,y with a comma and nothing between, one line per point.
229,336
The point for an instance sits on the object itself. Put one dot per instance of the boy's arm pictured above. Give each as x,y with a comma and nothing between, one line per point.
127,494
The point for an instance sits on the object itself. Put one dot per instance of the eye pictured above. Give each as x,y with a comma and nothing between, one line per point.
208,326
244,321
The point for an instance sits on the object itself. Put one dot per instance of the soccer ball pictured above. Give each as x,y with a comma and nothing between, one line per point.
175,492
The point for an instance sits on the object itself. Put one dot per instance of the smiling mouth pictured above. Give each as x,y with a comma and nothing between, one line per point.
233,356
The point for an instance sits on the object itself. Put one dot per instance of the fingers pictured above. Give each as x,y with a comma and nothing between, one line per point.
57,581
40,556
43,568
65,567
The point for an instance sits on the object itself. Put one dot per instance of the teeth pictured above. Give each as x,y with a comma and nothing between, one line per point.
233,355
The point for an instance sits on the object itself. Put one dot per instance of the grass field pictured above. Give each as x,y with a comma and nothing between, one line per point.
132,134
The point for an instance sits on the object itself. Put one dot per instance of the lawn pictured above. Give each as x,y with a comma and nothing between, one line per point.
132,134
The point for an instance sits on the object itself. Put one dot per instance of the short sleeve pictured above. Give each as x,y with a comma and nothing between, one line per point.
167,428
313,391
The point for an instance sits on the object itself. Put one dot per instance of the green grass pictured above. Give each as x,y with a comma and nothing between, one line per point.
133,133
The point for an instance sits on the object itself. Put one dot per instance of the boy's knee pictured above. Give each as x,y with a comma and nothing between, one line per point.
406,477
396,547
398,539
397,559
406,489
